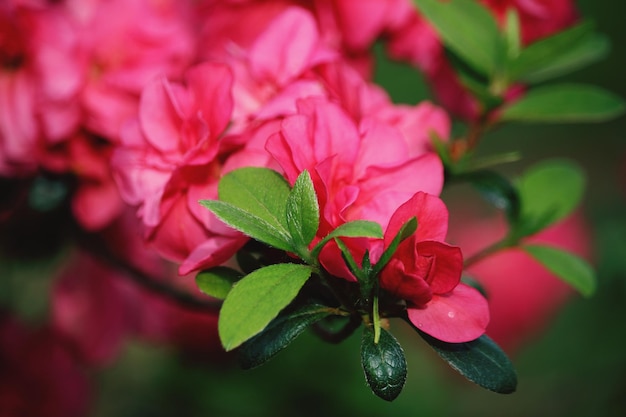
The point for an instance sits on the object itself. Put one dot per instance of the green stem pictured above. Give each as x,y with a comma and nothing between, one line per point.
507,242
376,319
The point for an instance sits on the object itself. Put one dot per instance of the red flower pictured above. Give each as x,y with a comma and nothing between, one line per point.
426,273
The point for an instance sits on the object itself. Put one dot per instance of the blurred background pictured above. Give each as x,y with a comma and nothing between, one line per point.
575,366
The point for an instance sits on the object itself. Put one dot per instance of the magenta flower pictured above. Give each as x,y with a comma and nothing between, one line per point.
171,158
425,272
354,177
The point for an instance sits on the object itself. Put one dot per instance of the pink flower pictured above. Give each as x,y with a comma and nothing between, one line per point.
128,44
426,273
171,158
40,376
40,77
354,176
92,307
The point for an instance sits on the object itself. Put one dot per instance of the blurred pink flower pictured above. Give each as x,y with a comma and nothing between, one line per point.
40,376
523,296
40,78
128,44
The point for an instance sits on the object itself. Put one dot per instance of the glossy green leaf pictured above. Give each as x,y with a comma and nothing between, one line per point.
548,191
564,103
217,282
257,299
383,363
256,227
468,29
302,211
592,48
261,192
480,361
279,334
356,228
567,266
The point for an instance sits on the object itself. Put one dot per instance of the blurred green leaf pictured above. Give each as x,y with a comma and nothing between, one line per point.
567,266
468,29
543,53
383,363
480,361
302,212
279,334
497,190
512,33
590,49
564,103
257,299
217,282
548,191
356,228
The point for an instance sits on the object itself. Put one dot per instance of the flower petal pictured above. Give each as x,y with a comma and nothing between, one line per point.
459,316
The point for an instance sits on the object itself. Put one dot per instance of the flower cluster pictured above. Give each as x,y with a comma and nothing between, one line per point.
142,108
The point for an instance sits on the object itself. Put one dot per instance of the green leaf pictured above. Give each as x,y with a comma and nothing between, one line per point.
256,227
257,299
497,190
405,231
542,53
564,103
351,264
217,282
261,192
592,48
302,211
468,29
279,334
480,361
384,364
548,191
356,228
559,54
567,266
512,33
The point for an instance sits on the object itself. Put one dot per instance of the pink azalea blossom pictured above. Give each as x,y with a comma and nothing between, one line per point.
129,43
171,158
426,272
40,77
354,177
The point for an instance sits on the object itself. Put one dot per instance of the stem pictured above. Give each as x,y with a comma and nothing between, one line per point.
507,242
376,319
100,250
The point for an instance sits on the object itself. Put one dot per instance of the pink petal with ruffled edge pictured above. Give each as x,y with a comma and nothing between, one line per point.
459,316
